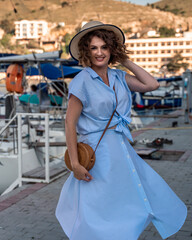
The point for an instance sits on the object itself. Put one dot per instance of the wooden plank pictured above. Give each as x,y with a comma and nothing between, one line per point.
36,170
51,144
39,173
145,151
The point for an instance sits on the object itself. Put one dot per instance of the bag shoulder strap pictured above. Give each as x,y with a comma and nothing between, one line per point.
107,123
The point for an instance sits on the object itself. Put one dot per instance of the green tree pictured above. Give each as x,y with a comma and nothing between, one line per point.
64,4
66,39
166,32
127,30
7,26
176,63
6,41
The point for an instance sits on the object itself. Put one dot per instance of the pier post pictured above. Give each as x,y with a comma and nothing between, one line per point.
187,94
47,173
19,149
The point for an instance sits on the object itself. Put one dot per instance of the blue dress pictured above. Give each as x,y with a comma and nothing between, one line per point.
126,194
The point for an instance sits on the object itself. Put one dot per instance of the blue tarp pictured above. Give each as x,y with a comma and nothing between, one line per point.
52,72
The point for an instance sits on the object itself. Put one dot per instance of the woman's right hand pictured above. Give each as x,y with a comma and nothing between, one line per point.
81,173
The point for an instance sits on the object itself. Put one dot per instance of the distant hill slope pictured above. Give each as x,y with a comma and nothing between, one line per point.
179,7
73,12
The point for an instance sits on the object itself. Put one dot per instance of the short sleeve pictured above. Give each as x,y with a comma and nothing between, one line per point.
121,74
77,88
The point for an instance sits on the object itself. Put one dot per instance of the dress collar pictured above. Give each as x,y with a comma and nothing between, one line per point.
95,75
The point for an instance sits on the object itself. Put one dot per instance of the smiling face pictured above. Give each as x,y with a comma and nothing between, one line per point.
99,53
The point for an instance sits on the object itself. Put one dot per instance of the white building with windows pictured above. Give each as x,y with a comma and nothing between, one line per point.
153,53
34,29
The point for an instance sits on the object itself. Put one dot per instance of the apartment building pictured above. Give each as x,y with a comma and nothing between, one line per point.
153,53
26,29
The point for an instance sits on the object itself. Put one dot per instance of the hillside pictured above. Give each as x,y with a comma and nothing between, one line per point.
179,7
126,15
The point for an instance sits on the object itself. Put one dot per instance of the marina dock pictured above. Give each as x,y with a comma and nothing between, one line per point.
28,213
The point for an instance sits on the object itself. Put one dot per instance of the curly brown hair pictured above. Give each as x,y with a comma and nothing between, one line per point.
116,47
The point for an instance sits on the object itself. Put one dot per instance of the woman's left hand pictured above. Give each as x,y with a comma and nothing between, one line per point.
81,173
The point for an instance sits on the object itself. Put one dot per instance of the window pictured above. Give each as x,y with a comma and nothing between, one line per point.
143,44
138,59
168,51
168,43
155,59
150,52
155,44
175,43
180,43
149,59
187,50
162,51
138,52
175,51
143,59
187,43
143,52
162,44
150,44
155,51
132,44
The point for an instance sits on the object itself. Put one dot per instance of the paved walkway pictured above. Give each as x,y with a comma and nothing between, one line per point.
27,213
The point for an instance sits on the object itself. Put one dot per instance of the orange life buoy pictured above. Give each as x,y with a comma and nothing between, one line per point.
14,78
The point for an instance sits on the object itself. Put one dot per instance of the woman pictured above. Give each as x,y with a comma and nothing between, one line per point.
121,194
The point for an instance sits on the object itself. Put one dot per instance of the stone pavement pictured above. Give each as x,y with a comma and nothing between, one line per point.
27,213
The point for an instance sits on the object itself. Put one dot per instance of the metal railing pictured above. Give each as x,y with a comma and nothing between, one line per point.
19,181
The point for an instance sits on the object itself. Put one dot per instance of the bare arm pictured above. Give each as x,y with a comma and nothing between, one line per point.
142,81
73,112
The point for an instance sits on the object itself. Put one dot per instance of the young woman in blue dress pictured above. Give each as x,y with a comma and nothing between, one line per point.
118,198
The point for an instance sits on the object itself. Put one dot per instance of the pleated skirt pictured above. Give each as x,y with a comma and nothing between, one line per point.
125,195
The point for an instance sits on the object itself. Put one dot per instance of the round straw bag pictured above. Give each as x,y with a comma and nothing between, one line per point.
86,156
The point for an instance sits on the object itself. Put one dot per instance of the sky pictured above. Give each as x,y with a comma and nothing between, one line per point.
140,2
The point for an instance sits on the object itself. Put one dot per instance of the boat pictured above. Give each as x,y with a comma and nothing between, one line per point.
168,95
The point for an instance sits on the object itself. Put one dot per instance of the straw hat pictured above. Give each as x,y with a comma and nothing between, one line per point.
88,27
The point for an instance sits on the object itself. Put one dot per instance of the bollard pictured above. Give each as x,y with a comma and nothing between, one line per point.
187,94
